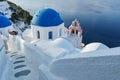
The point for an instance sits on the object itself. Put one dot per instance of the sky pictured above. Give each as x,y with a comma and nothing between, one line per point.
71,6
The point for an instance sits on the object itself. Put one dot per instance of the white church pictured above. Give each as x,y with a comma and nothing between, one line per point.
50,51
48,25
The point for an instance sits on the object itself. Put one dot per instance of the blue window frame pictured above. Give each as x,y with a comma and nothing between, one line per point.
50,35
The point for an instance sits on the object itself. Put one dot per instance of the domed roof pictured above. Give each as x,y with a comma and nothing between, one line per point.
94,46
4,22
62,43
46,18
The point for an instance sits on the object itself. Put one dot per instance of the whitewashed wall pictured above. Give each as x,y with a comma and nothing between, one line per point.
96,65
6,29
44,31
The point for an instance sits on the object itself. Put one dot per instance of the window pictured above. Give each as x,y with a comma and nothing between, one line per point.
38,34
50,35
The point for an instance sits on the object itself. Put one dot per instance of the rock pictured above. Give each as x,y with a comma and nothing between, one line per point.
19,14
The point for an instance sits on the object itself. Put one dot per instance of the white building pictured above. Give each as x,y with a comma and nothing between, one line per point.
47,25
8,33
5,25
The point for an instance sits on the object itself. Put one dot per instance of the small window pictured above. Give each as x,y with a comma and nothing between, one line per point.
50,35
38,34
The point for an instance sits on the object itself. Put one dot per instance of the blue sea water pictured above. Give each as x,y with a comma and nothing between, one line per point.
101,27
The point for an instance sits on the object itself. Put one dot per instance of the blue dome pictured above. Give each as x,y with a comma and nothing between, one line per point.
46,18
4,22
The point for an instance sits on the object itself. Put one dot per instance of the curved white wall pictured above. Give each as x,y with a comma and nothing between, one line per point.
94,46
45,30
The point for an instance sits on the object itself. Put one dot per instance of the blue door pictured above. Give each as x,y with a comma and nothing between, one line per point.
50,35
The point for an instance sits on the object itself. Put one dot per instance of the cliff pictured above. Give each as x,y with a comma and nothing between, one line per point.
19,14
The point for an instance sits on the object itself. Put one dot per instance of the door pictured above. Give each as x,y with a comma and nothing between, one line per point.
50,35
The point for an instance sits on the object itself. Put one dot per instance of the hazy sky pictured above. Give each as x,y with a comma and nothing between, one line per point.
71,6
